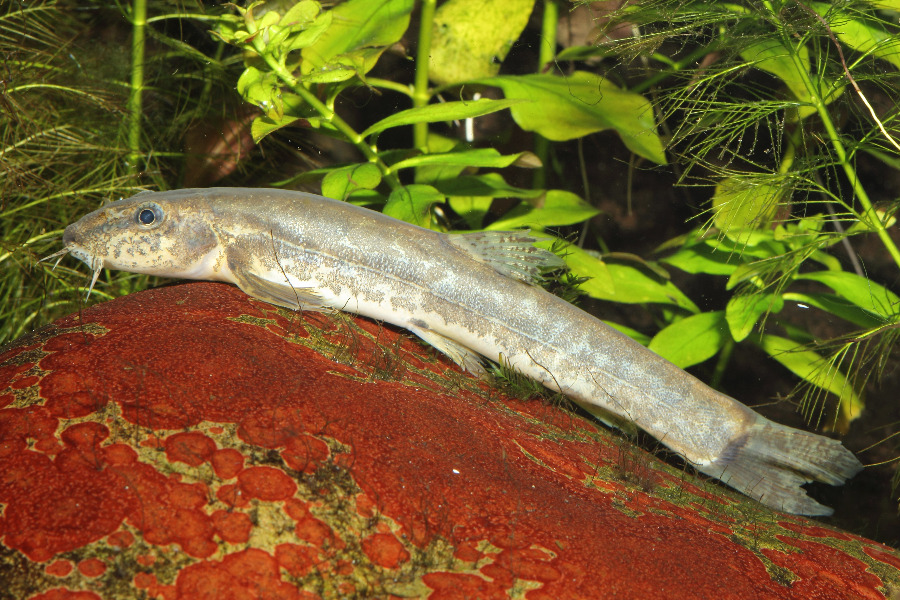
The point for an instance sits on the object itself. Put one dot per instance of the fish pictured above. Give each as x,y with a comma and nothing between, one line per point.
473,297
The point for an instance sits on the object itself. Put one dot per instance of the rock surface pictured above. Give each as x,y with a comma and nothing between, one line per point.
189,442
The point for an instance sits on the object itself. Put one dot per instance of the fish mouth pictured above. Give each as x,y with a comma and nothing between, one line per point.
95,263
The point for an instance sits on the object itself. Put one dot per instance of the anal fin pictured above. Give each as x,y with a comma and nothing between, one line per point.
467,359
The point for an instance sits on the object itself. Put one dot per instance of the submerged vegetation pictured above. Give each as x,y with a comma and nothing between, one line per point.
777,120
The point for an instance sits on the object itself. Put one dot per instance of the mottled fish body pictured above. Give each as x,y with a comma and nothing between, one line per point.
470,296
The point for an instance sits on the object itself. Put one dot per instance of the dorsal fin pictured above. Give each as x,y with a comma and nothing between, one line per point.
510,253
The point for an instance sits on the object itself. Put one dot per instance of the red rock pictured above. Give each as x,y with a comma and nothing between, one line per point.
59,568
189,442
385,550
92,567
191,447
266,483
64,594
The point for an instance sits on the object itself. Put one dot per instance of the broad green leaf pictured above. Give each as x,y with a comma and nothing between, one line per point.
490,185
306,23
634,334
443,111
360,31
470,38
363,197
839,307
634,285
302,13
412,203
704,258
740,206
772,56
479,157
263,126
638,261
815,369
565,108
471,208
692,340
439,144
333,73
859,35
862,292
280,108
744,310
343,181
555,209
623,283
582,263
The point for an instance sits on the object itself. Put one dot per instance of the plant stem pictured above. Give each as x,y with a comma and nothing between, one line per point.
138,30
722,363
329,115
421,94
545,58
674,67
868,216
387,84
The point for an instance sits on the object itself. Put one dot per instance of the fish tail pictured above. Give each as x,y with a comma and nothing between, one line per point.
771,461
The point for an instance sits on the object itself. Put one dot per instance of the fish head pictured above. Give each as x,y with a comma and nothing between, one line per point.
164,234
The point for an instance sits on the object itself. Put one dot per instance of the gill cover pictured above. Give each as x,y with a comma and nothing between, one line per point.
146,233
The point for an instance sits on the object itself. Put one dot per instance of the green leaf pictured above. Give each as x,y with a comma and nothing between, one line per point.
294,109
565,108
490,185
310,34
692,340
815,369
443,111
744,310
412,203
302,13
263,126
772,56
470,38
634,334
343,181
363,197
623,283
740,205
837,306
555,209
862,292
361,30
704,258
479,157
439,144
471,208
859,35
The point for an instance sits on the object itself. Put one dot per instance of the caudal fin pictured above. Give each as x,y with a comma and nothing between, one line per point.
772,461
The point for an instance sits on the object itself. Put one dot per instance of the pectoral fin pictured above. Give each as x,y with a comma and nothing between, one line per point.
279,293
465,358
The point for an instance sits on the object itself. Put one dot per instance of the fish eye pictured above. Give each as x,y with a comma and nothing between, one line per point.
149,215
